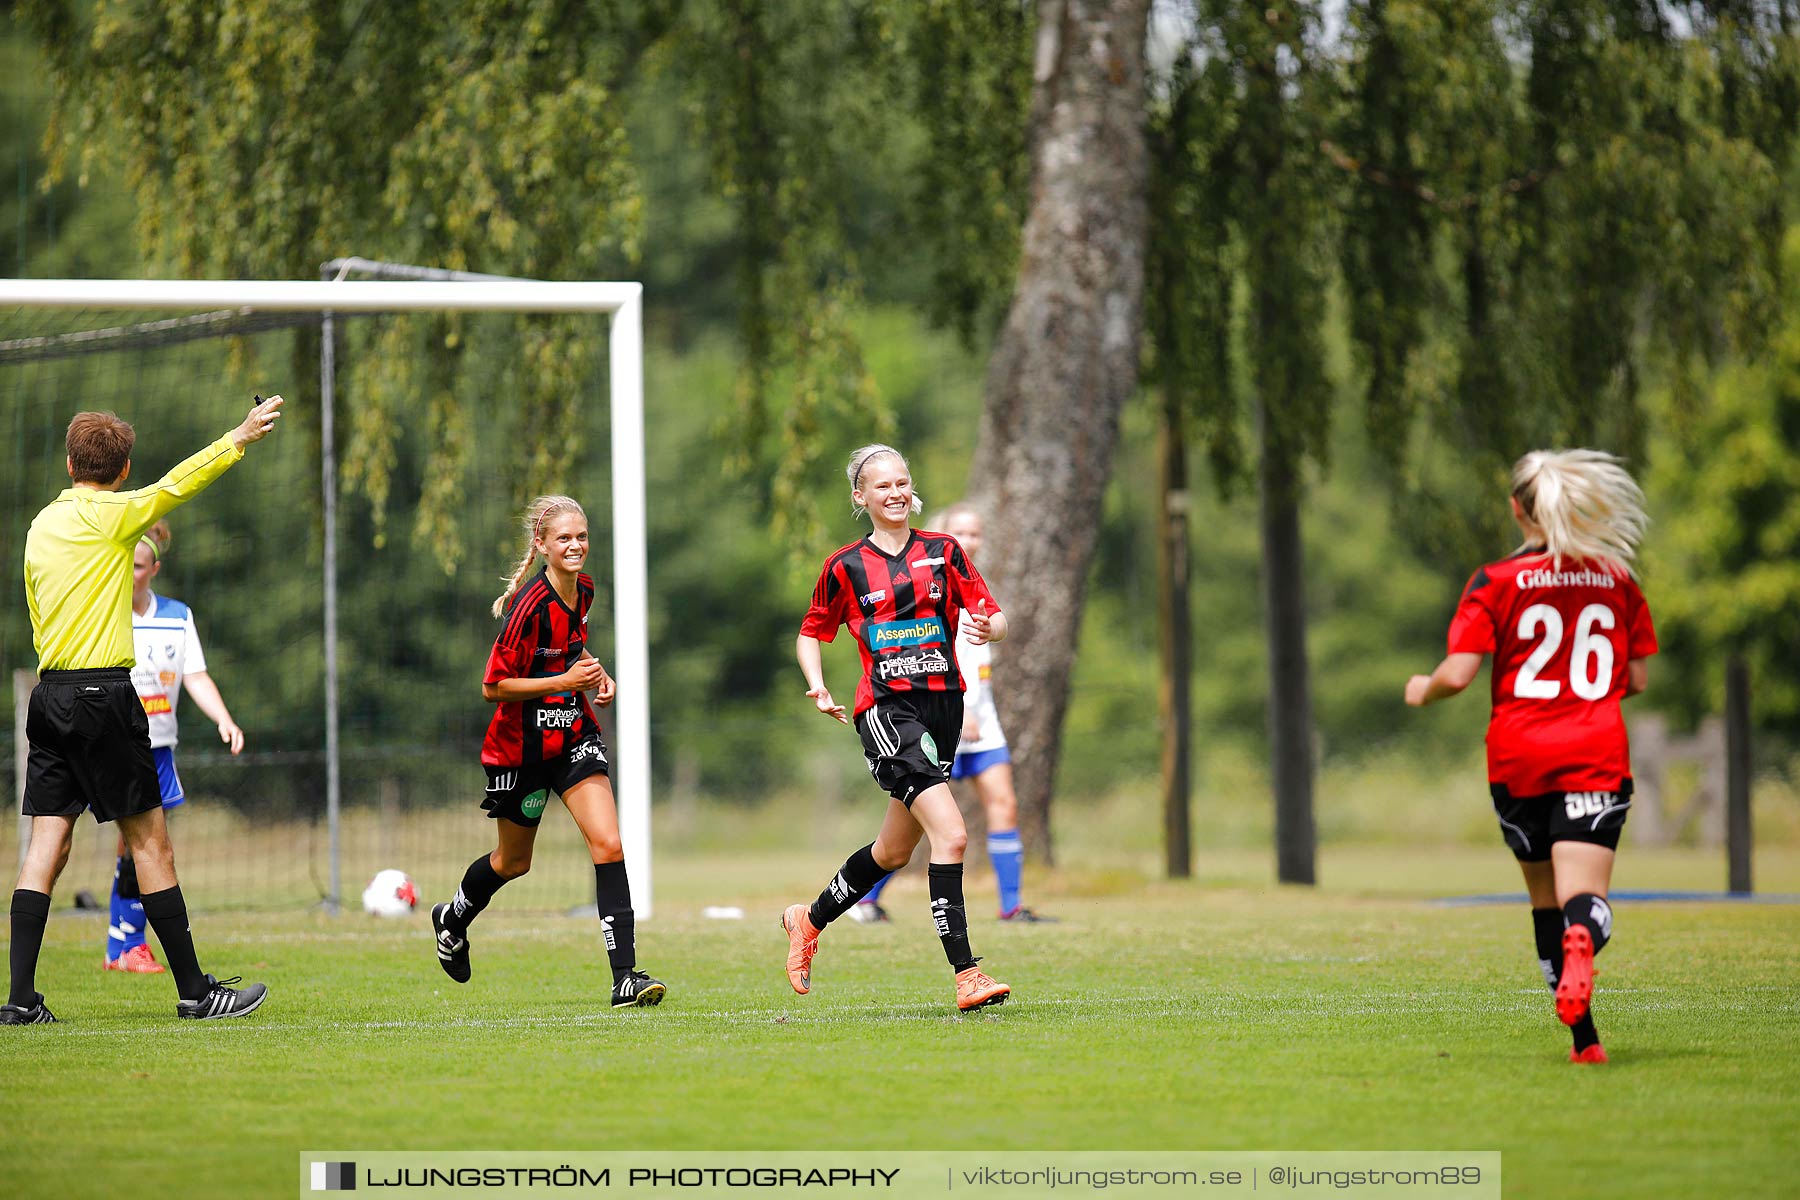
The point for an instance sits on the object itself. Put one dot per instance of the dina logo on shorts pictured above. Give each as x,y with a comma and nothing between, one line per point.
533,805
928,744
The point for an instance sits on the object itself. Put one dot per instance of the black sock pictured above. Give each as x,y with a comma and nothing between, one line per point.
125,879
858,874
167,914
29,912
479,883
1547,931
618,924
1592,911
948,914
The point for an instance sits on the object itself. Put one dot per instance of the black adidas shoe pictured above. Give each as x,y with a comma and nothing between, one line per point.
452,951
222,1000
32,1014
638,990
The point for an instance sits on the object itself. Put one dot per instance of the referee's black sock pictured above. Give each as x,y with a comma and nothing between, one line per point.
1547,930
618,924
167,913
29,912
479,883
948,915
858,874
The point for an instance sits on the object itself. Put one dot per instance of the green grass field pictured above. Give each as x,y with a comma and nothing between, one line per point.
1219,1015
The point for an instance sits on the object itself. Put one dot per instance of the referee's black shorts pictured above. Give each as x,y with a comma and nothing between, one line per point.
89,747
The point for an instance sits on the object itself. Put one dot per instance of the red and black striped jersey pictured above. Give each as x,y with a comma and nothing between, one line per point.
542,637
903,610
1561,636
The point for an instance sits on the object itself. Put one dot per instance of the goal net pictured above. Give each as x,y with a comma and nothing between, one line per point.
385,505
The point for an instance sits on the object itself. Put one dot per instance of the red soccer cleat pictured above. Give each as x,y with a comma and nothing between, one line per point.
975,990
1575,988
803,943
1595,1053
138,961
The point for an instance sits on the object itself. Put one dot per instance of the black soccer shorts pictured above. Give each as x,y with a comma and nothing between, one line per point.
89,747
520,793
1532,824
910,741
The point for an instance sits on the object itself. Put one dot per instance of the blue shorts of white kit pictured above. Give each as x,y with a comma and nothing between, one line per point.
967,766
166,777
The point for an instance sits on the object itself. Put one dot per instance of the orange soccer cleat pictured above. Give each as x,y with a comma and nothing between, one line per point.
975,990
138,961
1593,1054
1575,987
803,943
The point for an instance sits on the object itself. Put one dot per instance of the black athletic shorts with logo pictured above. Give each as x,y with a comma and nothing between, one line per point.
90,747
1532,824
910,740
520,793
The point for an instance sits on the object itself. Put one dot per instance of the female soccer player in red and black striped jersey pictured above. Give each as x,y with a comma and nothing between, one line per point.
544,738
982,755
1570,634
902,592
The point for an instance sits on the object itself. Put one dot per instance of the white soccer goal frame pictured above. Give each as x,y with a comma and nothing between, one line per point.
623,302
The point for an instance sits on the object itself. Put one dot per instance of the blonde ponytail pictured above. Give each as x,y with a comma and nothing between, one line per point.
538,512
1584,502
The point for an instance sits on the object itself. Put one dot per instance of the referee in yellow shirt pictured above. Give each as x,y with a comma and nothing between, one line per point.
89,738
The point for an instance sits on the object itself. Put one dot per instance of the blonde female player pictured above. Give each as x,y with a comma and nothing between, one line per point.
544,738
902,592
169,658
1569,633
982,755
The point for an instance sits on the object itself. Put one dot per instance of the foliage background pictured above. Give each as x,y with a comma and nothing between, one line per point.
741,515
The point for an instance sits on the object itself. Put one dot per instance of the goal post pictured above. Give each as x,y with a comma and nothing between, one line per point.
622,302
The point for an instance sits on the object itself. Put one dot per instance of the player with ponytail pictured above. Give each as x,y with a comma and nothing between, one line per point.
903,593
1570,633
544,737
982,756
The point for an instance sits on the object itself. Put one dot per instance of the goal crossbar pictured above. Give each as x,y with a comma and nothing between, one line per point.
623,302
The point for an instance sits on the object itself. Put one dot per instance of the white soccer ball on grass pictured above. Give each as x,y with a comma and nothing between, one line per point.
390,894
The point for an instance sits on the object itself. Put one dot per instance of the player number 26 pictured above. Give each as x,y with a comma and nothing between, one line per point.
1590,659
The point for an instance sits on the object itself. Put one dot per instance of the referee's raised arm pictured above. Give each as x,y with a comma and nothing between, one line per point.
146,506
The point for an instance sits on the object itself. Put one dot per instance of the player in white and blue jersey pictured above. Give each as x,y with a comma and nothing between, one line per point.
169,658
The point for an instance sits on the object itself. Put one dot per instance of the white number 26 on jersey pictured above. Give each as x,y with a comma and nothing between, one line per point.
1590,659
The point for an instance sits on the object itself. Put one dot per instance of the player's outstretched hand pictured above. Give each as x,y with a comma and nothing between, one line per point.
232,736
1416,688
585,675
606,689
257,423
822,697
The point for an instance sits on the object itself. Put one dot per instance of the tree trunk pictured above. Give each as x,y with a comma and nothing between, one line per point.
1177,641
1290,695
1065,361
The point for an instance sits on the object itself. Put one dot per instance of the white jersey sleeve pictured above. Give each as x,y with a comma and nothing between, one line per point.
976,663
195,661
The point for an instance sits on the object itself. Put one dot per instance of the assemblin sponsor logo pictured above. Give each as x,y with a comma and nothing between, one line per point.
1581,578
906,633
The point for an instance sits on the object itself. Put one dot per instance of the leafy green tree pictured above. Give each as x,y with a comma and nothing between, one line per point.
1723,565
